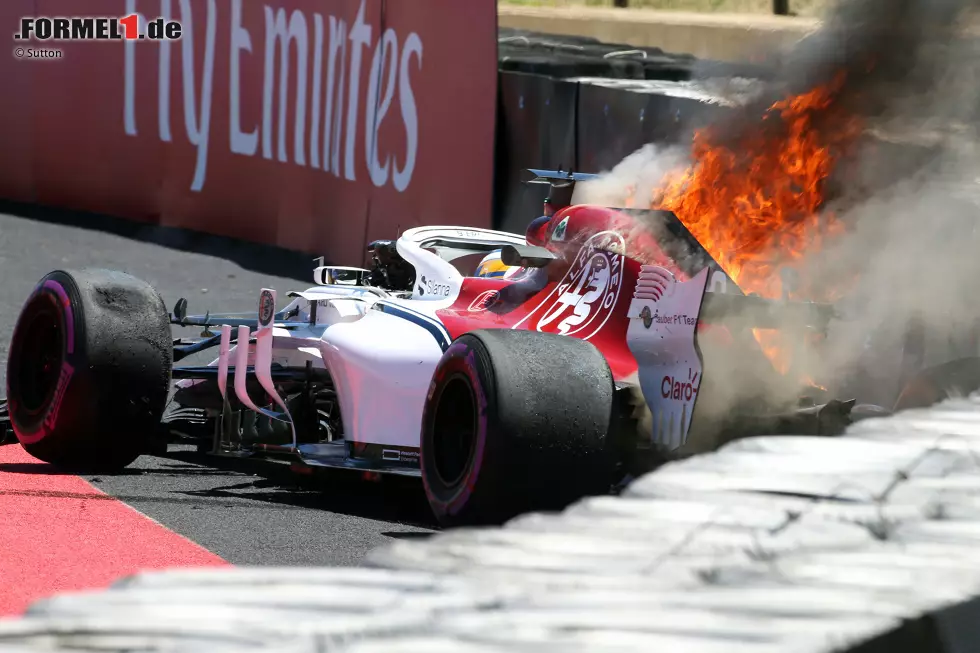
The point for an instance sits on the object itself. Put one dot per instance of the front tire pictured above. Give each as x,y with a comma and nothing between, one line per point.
89,369
516,421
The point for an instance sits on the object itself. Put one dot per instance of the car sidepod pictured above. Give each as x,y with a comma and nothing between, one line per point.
381,366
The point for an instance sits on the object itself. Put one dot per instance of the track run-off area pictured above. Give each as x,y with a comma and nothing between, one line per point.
61,532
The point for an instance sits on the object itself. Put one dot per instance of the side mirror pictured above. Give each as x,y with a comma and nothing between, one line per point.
341,276
180,310
526,256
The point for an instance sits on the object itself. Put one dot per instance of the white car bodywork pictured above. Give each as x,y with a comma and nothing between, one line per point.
380,348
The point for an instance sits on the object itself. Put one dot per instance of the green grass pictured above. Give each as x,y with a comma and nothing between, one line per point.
814,8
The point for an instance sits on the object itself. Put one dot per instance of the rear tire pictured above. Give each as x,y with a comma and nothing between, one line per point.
516,421
89,370
958,378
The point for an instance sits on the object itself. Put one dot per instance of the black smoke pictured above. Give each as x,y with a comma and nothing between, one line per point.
909,192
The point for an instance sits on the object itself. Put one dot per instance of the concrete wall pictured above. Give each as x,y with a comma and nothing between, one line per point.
722,37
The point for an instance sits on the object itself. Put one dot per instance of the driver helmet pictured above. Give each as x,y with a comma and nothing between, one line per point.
492,267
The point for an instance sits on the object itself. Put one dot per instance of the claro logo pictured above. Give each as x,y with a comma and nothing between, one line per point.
678,388
326,109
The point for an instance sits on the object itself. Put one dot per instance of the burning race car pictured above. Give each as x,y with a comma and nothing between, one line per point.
601,343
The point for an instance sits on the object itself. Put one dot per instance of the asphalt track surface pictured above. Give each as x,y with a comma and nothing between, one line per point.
62,532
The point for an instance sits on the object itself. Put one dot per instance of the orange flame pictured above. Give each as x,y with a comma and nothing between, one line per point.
754,201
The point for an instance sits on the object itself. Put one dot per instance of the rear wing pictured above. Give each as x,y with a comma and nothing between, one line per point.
663,336
762,313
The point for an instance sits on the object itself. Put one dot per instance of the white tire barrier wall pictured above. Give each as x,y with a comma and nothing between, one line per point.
869,542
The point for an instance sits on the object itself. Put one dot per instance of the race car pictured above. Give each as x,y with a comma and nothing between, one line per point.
609,343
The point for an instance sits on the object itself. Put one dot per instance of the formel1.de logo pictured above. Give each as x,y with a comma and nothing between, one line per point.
96,28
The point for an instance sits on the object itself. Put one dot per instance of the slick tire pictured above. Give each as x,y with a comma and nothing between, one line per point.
958,378
516,421
89,370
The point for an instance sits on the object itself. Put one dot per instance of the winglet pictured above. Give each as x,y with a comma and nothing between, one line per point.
223,348
263,353
241,368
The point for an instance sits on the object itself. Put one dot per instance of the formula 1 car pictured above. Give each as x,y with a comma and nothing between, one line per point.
610,345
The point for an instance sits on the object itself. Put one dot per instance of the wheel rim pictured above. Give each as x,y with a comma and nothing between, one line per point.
42,354
454,430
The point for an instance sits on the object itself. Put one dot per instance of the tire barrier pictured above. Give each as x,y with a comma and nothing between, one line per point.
579,56
536,122
314,125
577,102
587,124
865,543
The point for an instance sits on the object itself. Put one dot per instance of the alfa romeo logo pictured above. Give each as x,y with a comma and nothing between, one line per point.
581,303
267,308
647,317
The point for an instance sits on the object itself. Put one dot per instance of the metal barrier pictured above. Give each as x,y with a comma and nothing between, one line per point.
864,543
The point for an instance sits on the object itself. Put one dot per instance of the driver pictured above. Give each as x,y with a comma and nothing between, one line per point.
492,267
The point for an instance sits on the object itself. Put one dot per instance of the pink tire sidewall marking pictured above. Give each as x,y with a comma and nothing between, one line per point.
47,423
462,359
67,312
